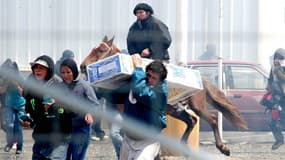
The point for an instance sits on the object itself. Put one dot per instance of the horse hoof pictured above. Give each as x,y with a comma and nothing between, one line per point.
227,152
224,150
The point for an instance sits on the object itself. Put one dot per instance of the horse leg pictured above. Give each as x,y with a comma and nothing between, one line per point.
213,121
198,104
180,113
189,127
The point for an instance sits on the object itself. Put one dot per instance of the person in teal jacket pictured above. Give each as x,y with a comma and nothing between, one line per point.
146,103
14,106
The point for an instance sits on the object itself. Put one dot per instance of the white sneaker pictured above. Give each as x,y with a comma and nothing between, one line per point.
14,146
94,138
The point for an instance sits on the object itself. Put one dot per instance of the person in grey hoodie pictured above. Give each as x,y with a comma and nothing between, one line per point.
81,122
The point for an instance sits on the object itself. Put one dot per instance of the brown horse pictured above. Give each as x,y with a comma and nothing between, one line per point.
197,102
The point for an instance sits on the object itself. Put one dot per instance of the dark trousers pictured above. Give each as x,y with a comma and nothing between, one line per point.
276,124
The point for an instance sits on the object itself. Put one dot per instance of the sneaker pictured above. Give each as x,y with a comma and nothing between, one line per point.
94,138
7,148
104,137
277,144
14,146
19,151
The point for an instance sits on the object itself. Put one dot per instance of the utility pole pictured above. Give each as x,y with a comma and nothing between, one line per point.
220,61
182,34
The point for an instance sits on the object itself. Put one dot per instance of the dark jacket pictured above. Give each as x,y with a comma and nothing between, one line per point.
151,101
54,126
149,33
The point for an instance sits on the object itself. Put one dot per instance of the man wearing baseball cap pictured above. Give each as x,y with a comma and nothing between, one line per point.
53,128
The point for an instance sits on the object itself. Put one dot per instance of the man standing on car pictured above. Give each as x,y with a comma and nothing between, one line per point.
276,84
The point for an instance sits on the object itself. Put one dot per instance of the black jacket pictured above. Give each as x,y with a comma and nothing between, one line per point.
54,126
149,33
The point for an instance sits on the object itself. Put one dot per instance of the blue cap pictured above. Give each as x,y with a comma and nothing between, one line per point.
47,100
67,54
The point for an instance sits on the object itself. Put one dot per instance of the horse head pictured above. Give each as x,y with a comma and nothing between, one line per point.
105,49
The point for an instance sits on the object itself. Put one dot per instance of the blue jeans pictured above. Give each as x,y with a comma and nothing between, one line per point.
115,130
13,128
59,152
79,143
45,151
97,130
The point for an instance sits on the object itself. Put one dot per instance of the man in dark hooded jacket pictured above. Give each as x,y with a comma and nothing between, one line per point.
53,125
276,85
148,36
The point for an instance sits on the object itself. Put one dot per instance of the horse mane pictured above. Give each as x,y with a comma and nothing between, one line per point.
105,49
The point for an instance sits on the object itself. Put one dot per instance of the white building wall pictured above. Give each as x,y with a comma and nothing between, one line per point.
29,28
271,29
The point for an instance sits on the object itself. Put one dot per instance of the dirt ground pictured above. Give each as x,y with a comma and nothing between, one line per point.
243,145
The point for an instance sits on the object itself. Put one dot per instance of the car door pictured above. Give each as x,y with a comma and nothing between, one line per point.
245,86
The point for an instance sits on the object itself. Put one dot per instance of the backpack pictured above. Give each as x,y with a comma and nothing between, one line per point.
267,100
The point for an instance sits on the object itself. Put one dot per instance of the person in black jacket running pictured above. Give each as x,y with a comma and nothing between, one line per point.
53,124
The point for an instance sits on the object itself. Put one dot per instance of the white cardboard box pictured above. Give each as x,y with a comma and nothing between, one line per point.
112,72
182,82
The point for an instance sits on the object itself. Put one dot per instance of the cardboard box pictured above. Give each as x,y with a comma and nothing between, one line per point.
110,72
182,82
114,71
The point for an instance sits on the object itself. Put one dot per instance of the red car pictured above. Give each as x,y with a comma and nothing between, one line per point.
244,84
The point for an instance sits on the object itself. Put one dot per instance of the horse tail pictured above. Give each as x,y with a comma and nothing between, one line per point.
221,103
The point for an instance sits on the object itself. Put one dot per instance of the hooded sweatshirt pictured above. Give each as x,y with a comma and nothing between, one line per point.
53,126
80,89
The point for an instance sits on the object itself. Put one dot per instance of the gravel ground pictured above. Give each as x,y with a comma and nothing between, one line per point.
243,145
